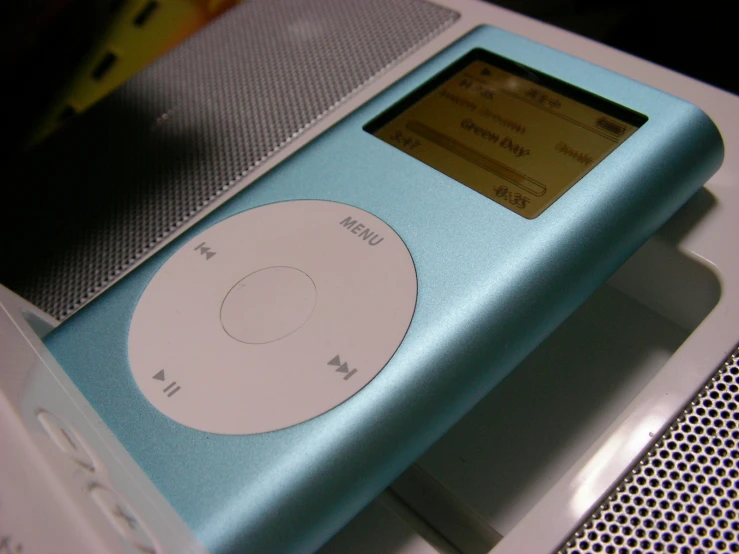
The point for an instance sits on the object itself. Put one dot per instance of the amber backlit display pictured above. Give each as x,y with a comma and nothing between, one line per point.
522,142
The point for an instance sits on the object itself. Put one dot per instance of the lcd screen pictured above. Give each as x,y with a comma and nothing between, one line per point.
517,136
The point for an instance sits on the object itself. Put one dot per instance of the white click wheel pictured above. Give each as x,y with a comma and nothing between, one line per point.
272,316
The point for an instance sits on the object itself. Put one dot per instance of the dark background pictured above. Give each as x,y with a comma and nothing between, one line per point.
43,41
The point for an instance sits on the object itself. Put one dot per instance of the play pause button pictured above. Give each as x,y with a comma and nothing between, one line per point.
171,389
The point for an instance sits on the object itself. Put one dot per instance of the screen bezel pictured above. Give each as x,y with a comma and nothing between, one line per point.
544,80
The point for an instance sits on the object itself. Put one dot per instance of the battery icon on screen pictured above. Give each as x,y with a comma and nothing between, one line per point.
610,126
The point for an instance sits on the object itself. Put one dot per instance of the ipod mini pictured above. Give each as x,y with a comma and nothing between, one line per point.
282,361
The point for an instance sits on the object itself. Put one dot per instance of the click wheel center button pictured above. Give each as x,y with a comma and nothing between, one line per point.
268,305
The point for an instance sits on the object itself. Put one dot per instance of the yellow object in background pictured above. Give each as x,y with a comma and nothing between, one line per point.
142,31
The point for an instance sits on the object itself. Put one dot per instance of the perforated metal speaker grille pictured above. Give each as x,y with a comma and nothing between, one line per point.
153,154
683,496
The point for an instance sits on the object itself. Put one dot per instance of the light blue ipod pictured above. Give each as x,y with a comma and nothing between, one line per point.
280,363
